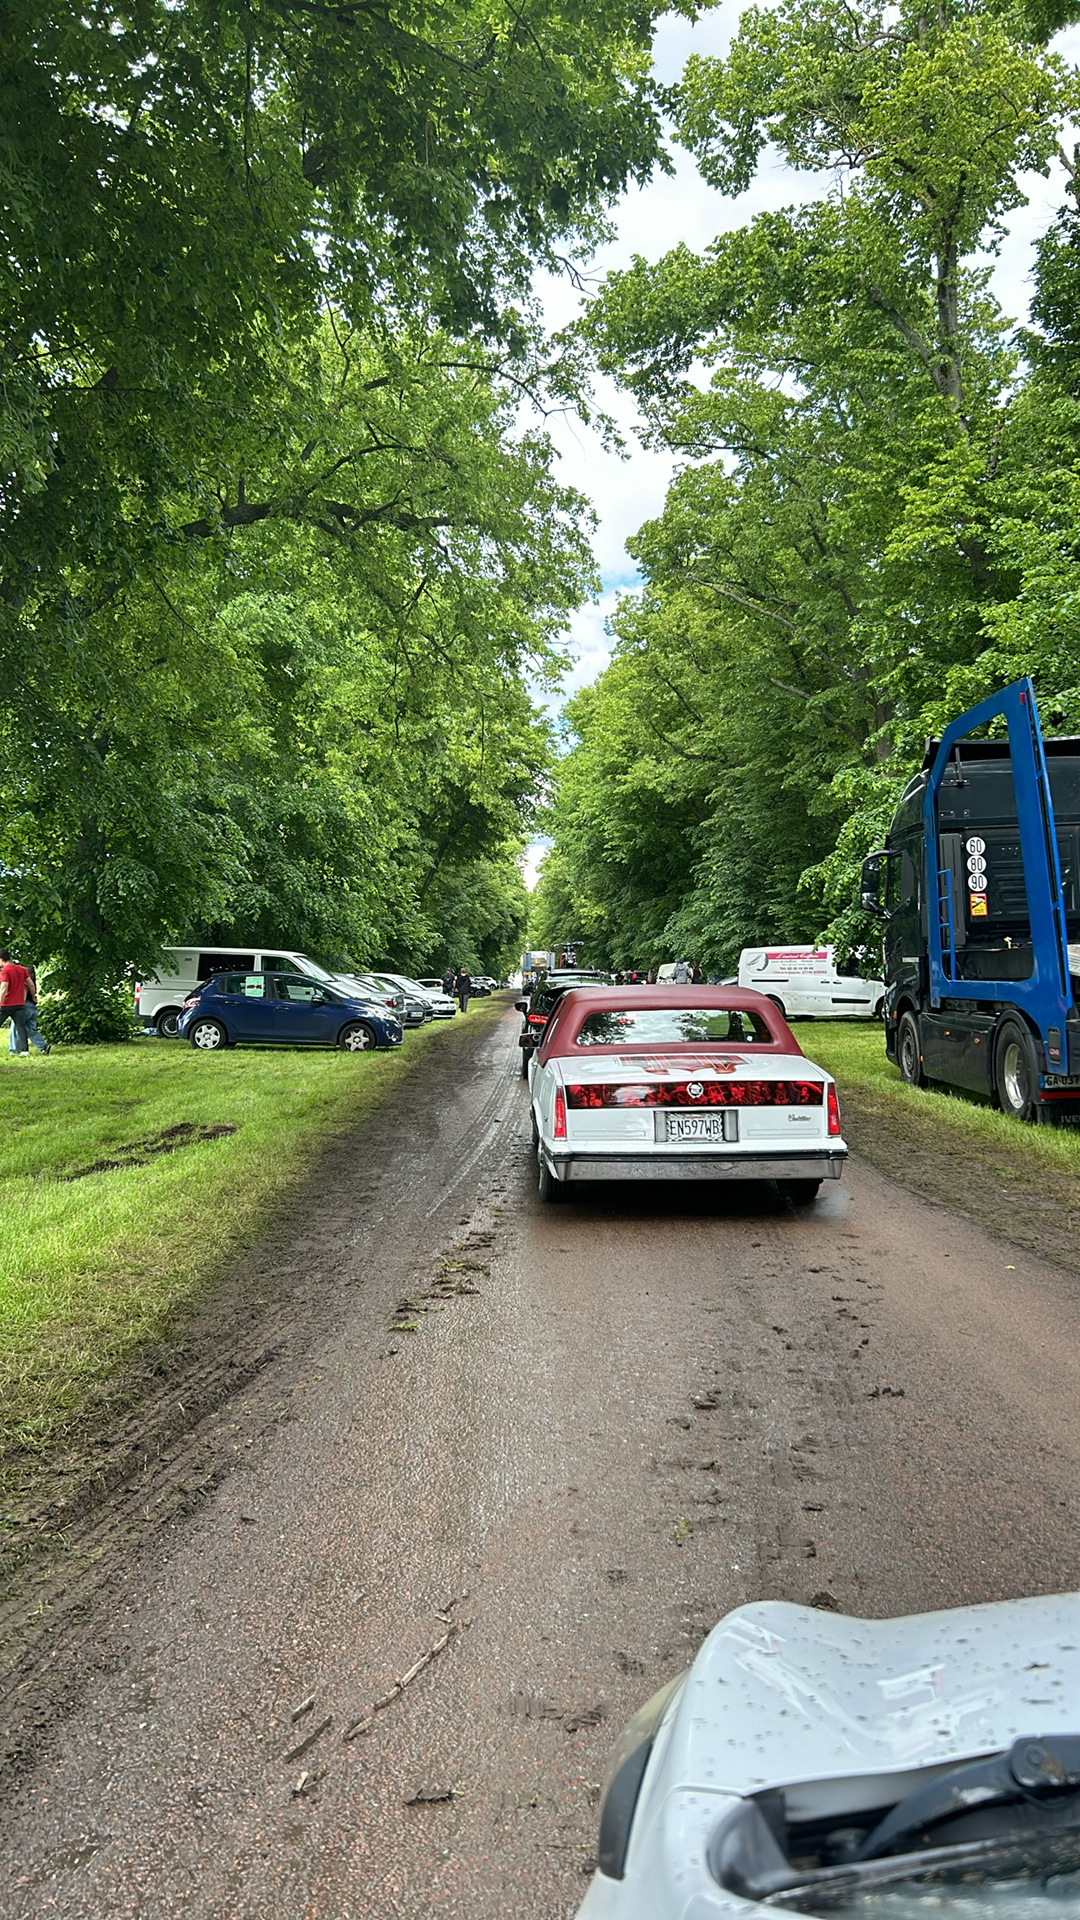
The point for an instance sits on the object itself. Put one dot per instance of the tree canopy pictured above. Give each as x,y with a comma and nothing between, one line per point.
277,552
873,523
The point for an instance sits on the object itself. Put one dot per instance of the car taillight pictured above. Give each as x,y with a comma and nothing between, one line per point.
138,992
560,1115
707,1093
537,1019
192,1000
834,1113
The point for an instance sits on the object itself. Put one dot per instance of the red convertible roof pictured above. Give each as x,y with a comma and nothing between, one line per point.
576,1005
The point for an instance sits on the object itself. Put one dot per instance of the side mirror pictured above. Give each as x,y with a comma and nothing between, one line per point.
874,869
522,1006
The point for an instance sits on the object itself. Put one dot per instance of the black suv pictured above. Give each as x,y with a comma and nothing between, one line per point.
541,1003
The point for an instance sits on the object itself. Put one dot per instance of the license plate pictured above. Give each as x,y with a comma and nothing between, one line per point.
695,1126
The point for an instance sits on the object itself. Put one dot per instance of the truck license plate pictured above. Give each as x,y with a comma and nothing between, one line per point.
695,1126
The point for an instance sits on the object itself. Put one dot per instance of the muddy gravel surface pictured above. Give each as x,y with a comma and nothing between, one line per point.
508,1467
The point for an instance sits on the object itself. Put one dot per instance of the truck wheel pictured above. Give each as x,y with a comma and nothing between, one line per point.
778,1004
1016,1072
167,1022
909,1051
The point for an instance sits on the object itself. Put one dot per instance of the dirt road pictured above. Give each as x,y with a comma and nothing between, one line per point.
508,1466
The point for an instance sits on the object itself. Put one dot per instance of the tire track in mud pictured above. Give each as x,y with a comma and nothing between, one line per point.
234,1373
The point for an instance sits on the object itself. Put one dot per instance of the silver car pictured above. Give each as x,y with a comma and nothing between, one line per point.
875,1769
379,989
443,1004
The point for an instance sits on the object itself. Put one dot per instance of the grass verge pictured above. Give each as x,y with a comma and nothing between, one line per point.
133,1176
1020,1182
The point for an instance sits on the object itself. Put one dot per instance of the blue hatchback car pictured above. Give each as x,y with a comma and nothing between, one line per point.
286,1010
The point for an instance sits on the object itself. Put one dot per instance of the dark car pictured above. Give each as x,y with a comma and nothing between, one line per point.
286,1010
541,1002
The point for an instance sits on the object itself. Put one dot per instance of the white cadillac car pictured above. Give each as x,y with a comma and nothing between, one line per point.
680,1083
926,1768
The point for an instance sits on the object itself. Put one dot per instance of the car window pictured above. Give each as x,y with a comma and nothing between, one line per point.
249,984
286,986
669,1026
211,963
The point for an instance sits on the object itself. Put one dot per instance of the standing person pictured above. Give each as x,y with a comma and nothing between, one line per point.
696,975
13,979
33,1032
682,973
449,983
463,988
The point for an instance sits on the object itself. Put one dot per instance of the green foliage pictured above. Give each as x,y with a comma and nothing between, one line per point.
309,726
97,1016
276,553
873,524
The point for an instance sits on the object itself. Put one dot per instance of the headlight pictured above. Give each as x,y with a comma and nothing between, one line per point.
625,1772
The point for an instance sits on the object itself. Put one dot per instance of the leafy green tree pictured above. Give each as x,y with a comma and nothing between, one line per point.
865,507
295,723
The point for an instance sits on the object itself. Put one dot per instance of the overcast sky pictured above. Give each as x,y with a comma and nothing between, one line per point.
680,208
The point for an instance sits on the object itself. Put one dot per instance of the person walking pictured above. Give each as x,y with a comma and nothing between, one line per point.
682,973
696,975
33,1032
463,988
449,982
13,981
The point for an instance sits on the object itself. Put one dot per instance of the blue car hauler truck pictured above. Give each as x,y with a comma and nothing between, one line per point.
978,886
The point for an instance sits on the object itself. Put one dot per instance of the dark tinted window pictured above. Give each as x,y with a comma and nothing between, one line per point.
249,984
211,963
300,992
670,1026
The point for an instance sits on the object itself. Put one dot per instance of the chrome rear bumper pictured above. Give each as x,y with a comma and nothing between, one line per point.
698,1166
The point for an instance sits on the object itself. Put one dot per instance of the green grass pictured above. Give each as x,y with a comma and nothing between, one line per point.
853,1051
95,1270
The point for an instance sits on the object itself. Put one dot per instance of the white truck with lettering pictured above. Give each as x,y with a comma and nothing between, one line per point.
806,982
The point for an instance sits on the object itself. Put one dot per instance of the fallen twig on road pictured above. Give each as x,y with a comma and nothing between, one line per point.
365,1721
294,1753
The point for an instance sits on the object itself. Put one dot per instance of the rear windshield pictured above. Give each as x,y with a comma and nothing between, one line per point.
669,1026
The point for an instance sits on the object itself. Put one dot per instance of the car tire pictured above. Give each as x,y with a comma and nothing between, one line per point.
167,1022
208,1036
548,1187
524,1063
1016,1072
535,1128
879,1011
357,1037
801,1193
778,1004
909,1051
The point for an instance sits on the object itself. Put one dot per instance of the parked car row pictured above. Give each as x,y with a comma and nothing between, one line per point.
277,996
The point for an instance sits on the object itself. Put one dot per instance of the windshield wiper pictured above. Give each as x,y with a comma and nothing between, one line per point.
1032,1769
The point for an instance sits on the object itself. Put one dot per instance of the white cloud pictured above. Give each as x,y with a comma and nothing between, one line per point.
532,860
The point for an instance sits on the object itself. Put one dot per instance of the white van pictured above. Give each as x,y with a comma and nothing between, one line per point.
807,980
159,1001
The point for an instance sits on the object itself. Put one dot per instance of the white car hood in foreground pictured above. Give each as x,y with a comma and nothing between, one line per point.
781,1693
828,1708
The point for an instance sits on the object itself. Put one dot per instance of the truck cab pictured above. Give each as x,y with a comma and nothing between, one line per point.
978,890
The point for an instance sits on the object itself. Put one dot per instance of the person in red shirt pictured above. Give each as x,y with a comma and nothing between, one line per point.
13,1001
